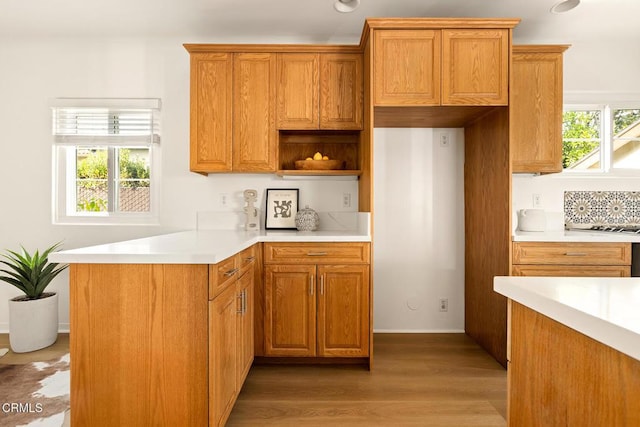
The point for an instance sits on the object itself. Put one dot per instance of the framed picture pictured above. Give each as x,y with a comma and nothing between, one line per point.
282,206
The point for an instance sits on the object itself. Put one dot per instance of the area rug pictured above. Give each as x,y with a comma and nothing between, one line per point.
34,394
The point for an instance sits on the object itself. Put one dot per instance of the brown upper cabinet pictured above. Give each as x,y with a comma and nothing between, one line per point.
427,67
232,113
536,108
320,91
211,101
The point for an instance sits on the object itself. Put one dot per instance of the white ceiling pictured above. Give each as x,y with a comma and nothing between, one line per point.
304,21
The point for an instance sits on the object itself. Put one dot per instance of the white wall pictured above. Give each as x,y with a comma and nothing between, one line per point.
35,71
418,226
592,73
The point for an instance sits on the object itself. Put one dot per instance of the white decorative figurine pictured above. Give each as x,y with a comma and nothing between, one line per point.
250,197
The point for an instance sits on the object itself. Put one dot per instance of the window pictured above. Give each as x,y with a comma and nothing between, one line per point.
105,155
601,138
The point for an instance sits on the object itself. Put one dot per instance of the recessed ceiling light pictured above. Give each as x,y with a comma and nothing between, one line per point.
565,6
346,6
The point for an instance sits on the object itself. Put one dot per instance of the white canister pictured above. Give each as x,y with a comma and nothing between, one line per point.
532,220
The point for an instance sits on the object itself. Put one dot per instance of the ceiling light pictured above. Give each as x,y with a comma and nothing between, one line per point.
565,6
346,6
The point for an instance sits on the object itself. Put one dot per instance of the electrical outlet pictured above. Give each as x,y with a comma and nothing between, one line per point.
444,140
346,200
224,199
444,304
537,200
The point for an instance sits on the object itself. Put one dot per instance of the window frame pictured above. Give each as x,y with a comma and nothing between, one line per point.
606,139
64,168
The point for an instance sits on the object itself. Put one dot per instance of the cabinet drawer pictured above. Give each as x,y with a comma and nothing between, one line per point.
317,253
572,270
572,253
221,275
246,258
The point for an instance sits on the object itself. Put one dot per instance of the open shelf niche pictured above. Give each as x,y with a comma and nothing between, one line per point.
300,144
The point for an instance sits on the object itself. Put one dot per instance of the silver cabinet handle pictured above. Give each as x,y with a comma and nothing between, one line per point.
239,311
311,285
231,272
322,285
575,254
250,258
244,302
316,253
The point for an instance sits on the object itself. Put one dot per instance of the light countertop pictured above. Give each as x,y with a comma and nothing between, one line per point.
194,247
573,236
605,309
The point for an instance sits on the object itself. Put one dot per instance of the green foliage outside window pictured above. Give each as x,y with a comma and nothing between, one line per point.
580,134
622,119
92,176
93,169
133,168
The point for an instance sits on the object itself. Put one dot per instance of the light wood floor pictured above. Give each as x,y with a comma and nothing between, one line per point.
58,349
417,380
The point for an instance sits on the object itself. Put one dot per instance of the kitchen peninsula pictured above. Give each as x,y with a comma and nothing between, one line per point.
164,329
573,351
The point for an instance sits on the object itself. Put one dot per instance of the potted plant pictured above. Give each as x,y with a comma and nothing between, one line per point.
33,317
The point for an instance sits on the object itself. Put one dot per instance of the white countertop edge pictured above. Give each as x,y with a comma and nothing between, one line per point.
192,247
610,334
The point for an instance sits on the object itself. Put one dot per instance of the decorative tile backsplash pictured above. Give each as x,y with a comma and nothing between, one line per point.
602,207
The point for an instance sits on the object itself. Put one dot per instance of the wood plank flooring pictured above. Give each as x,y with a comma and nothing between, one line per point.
417,380
55,351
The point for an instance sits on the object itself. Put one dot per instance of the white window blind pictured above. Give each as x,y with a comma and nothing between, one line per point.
111,121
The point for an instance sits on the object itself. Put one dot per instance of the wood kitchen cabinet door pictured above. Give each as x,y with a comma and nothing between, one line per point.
290,310
406,67
475,67
535,109
254,114
343,310
223,355
341,91
298,91
245,295
211,109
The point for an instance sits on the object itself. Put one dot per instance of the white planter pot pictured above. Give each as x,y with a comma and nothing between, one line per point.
33,324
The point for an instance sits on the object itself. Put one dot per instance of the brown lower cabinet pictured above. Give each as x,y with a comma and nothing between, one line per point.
139,344
318,310
314,306
230,345
571,259
560,377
